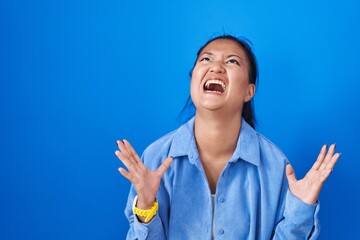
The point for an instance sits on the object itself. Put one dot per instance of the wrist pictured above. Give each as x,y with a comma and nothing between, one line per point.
144,204
305,198
145,214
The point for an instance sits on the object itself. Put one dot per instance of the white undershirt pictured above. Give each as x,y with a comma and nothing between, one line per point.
213,208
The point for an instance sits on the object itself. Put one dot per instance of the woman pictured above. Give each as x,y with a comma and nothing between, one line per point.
215,177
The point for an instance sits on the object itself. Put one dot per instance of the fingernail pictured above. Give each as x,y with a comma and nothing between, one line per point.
116,142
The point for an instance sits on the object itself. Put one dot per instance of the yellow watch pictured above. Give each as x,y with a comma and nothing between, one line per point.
148,214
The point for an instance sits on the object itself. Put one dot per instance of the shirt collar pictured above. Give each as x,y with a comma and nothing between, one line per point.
183,140
247,148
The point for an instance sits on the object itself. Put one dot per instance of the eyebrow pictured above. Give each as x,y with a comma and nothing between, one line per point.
228,56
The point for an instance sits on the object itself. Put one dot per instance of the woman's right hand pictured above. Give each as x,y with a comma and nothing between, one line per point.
145,181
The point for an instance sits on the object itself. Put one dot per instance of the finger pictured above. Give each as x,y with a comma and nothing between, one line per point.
128,163
132,151
325,173
330,153
290,174
123,149
333,161
328,157
320,158
125,173
126,152
164,166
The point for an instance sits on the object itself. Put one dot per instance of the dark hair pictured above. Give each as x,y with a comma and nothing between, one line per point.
247,112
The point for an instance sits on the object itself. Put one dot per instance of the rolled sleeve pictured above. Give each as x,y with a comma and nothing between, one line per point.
300,220
298,212
151,230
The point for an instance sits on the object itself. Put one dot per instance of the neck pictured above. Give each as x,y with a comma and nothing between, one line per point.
217,135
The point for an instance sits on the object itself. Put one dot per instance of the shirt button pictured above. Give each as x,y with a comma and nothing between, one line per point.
221,200
224,174
221,231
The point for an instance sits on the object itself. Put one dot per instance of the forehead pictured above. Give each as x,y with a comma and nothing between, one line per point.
224,46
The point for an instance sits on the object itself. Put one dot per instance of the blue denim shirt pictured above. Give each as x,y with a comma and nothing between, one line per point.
252,198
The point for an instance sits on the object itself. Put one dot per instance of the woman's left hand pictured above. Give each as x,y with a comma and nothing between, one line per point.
308,188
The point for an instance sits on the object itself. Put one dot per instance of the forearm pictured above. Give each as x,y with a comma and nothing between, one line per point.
300,220
152,230
138,229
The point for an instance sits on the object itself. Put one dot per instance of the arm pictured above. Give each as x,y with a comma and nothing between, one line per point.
145,183
300,218
139,230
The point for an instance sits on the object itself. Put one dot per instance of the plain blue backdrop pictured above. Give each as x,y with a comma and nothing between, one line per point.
77,75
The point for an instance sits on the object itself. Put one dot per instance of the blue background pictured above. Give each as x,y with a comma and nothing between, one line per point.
77,75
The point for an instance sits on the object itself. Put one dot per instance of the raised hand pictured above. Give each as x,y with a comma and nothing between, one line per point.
308,188
145,181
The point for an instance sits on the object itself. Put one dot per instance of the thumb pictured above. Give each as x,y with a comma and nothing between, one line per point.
290,174
164,166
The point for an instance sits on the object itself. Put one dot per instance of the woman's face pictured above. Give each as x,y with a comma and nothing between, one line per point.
220,78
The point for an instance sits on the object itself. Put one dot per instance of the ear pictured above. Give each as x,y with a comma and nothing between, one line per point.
250,92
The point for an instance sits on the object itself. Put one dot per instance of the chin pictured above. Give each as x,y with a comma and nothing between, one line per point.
208,107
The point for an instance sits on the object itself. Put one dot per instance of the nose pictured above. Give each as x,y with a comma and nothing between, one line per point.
217,67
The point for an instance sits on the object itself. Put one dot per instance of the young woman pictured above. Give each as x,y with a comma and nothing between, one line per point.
215,177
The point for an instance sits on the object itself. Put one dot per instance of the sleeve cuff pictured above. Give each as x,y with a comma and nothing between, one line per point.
145,230
299,212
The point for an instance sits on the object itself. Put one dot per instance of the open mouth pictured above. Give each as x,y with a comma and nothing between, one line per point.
214,85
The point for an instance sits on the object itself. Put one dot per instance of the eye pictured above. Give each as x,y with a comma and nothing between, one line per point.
233,61
205,59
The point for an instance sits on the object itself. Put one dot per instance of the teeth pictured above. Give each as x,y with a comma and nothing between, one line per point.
215,81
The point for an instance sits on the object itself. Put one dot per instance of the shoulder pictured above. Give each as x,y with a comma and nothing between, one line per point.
259,147
174,144
161,146
271,154
269,147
